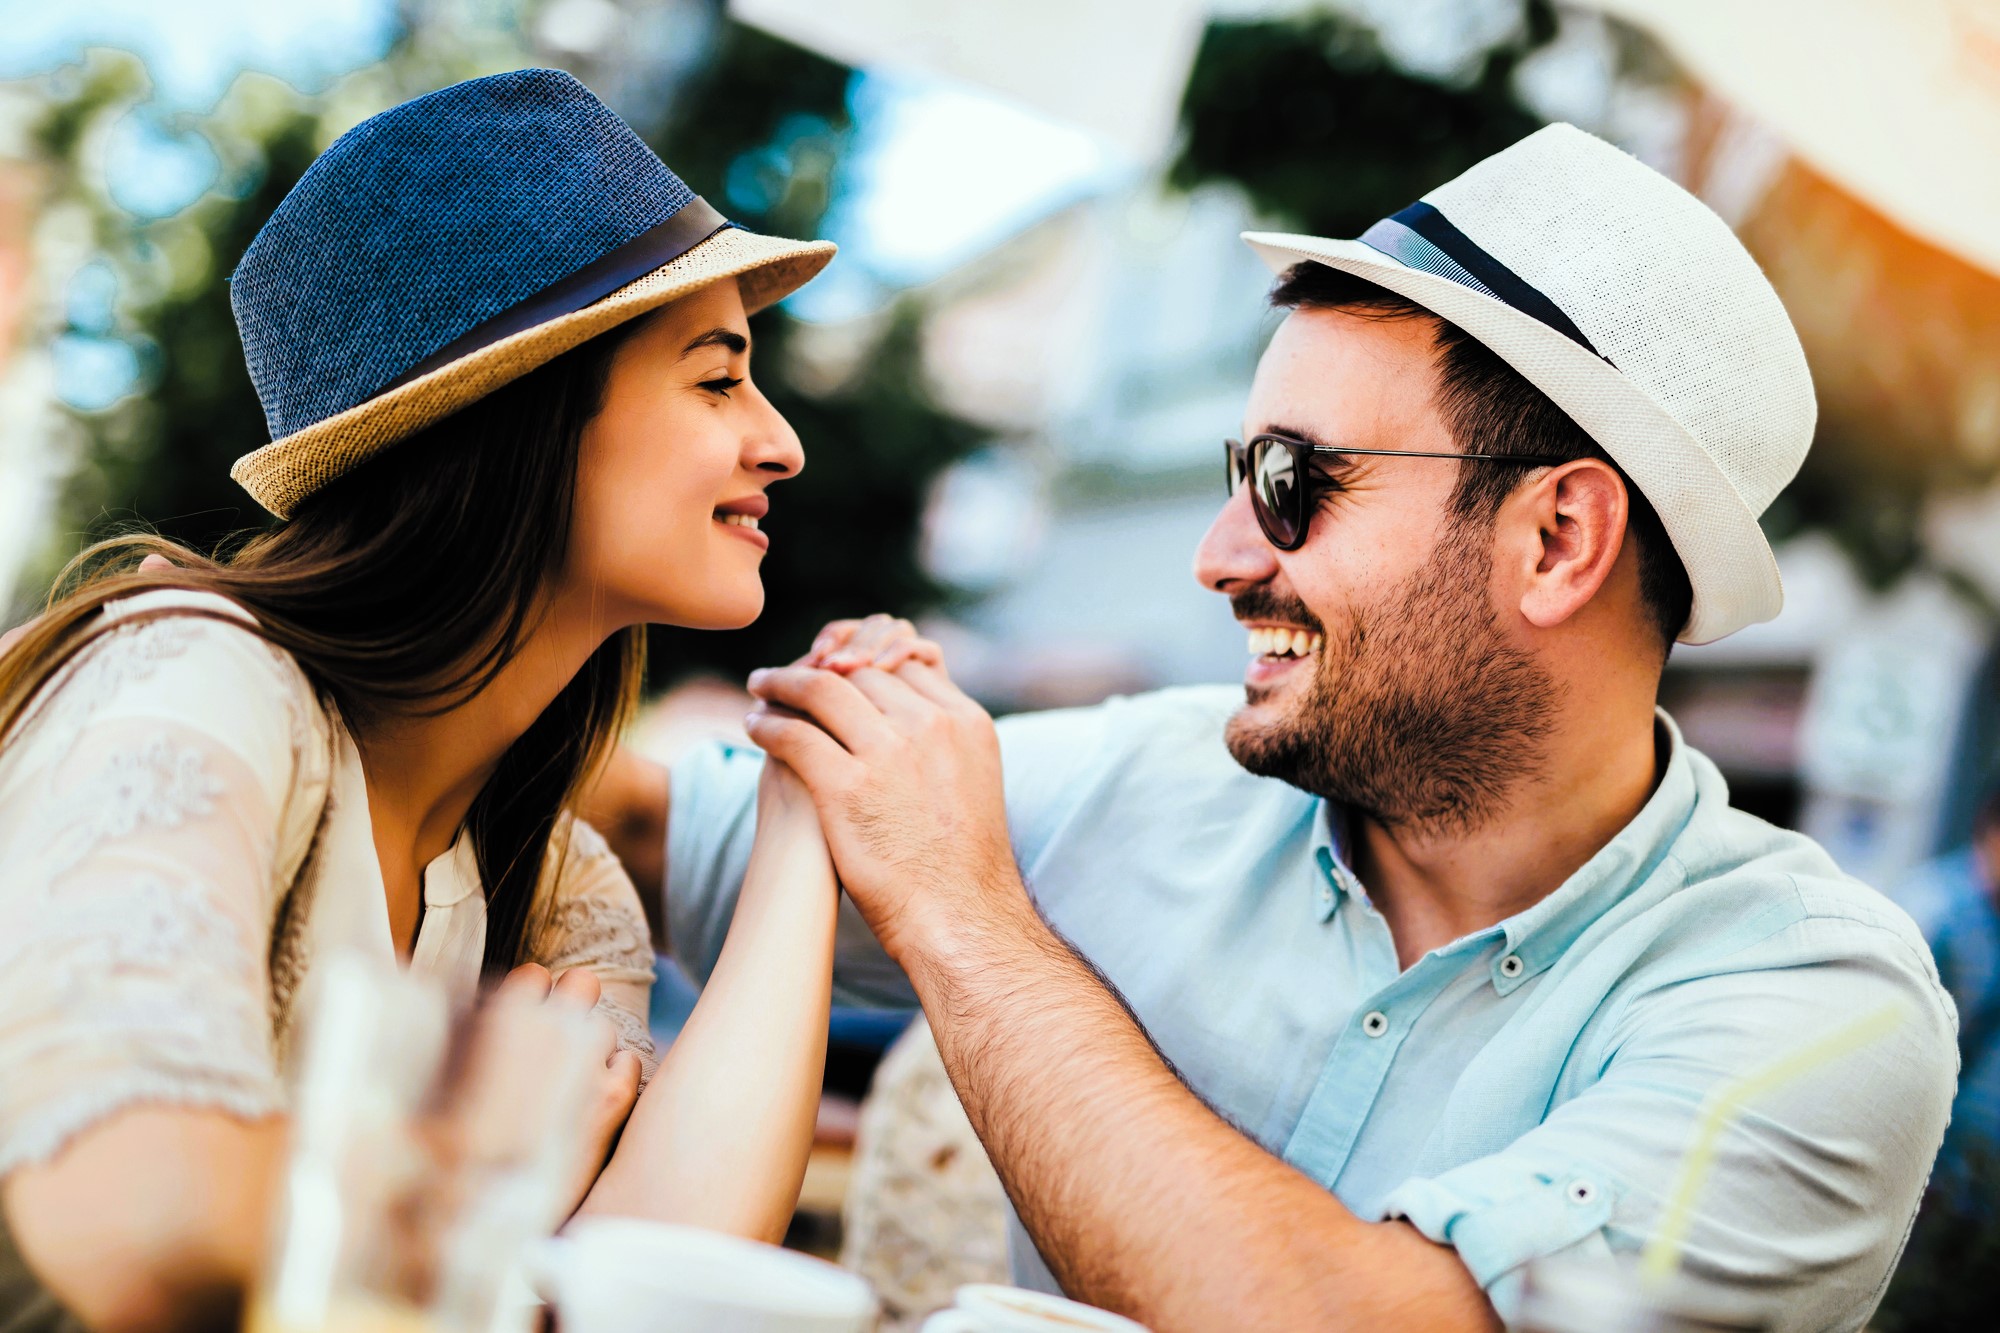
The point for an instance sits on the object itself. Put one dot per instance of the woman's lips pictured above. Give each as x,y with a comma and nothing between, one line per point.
744,526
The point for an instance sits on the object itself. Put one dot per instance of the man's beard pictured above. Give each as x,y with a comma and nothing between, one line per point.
1419,714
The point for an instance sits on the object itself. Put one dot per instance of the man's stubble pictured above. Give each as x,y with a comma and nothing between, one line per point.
1419,713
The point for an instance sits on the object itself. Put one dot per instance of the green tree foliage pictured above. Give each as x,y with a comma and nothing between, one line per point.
760,129
1325,133
161,455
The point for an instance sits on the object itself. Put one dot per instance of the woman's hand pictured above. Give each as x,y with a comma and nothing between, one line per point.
616,1087
881,641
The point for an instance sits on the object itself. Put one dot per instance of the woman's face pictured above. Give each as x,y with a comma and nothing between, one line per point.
673,472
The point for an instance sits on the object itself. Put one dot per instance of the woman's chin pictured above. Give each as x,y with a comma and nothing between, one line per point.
730,613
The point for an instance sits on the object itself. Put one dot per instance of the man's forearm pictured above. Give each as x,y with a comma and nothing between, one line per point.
1138,1195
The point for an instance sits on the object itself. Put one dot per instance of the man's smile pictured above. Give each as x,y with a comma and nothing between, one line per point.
1279,650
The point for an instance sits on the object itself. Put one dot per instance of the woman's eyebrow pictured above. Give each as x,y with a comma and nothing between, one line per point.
719,337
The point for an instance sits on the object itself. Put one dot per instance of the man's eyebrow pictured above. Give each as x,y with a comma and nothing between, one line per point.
1296,433
1328,465
719,337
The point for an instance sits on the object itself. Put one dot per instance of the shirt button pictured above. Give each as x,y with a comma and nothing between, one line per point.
1376,1023
1582,1192
1511,965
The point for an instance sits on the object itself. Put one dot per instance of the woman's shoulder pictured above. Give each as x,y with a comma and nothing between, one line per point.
593,916
180,657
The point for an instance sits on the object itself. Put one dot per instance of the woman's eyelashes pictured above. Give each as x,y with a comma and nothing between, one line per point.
721,384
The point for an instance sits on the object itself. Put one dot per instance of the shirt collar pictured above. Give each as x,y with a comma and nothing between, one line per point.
1337,880
453,875
1539,935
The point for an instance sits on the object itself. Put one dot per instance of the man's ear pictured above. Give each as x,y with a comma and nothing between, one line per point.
1571,525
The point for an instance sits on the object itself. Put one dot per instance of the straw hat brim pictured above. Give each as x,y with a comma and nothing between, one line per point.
286,471
1728,560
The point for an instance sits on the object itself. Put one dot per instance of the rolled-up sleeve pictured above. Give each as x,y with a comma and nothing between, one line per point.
1802,1211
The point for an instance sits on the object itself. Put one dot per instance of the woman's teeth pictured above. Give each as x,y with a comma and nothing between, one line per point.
1285,643
738,520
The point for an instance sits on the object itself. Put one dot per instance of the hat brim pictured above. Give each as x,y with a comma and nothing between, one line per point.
284,472
1721,545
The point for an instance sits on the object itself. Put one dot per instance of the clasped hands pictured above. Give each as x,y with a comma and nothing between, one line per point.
904,771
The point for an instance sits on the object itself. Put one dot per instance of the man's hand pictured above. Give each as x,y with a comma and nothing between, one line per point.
904,770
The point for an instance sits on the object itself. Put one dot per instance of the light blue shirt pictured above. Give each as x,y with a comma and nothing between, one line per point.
1523,1091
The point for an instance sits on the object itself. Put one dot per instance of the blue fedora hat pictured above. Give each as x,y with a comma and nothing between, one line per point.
446,246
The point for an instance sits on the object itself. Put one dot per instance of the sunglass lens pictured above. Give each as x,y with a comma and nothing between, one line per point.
1276,493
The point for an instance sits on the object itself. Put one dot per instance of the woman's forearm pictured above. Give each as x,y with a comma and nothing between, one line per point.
153,1219
720,1137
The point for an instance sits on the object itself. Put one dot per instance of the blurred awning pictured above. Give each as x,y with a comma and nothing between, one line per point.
1113,67
1895,101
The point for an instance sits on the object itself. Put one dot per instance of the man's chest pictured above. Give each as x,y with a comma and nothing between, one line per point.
1296,1022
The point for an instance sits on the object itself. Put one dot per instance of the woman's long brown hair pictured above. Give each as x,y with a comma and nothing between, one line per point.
404,587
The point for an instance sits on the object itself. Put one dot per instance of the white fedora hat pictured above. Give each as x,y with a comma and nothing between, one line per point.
1639,313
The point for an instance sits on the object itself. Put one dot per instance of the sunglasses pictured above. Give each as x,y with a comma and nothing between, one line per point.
1285,488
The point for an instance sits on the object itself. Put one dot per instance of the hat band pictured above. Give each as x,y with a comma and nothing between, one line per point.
692,223
1422,238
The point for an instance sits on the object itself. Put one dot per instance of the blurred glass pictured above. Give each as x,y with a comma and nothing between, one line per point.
428,1149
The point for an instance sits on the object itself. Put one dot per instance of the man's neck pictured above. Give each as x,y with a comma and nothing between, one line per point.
1434,886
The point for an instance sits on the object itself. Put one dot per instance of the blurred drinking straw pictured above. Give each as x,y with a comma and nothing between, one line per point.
1721,1110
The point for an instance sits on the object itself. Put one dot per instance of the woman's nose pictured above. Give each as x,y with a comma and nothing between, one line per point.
772,446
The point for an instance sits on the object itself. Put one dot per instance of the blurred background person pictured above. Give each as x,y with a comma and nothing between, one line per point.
1955,899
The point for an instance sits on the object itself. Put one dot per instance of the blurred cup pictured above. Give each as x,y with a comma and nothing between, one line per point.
344,1251
623,1275
430,1145
985,1308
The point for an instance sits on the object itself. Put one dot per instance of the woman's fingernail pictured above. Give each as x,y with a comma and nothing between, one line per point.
759,676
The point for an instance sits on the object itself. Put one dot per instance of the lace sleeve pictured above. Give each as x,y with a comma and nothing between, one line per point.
594,920
141,811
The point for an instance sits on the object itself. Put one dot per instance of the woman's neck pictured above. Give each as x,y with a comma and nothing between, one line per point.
423,773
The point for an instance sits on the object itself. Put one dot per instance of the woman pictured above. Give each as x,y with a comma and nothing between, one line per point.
505,360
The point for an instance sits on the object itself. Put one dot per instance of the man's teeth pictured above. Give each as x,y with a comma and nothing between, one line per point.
739,520
1284,642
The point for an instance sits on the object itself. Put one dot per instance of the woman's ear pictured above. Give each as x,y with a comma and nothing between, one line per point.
1571,525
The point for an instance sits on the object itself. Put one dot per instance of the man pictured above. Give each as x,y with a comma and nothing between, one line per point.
1343,1000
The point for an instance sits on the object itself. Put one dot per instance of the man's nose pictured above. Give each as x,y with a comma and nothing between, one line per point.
1234,550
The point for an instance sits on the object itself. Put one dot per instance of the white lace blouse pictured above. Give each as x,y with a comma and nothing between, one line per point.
183,826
